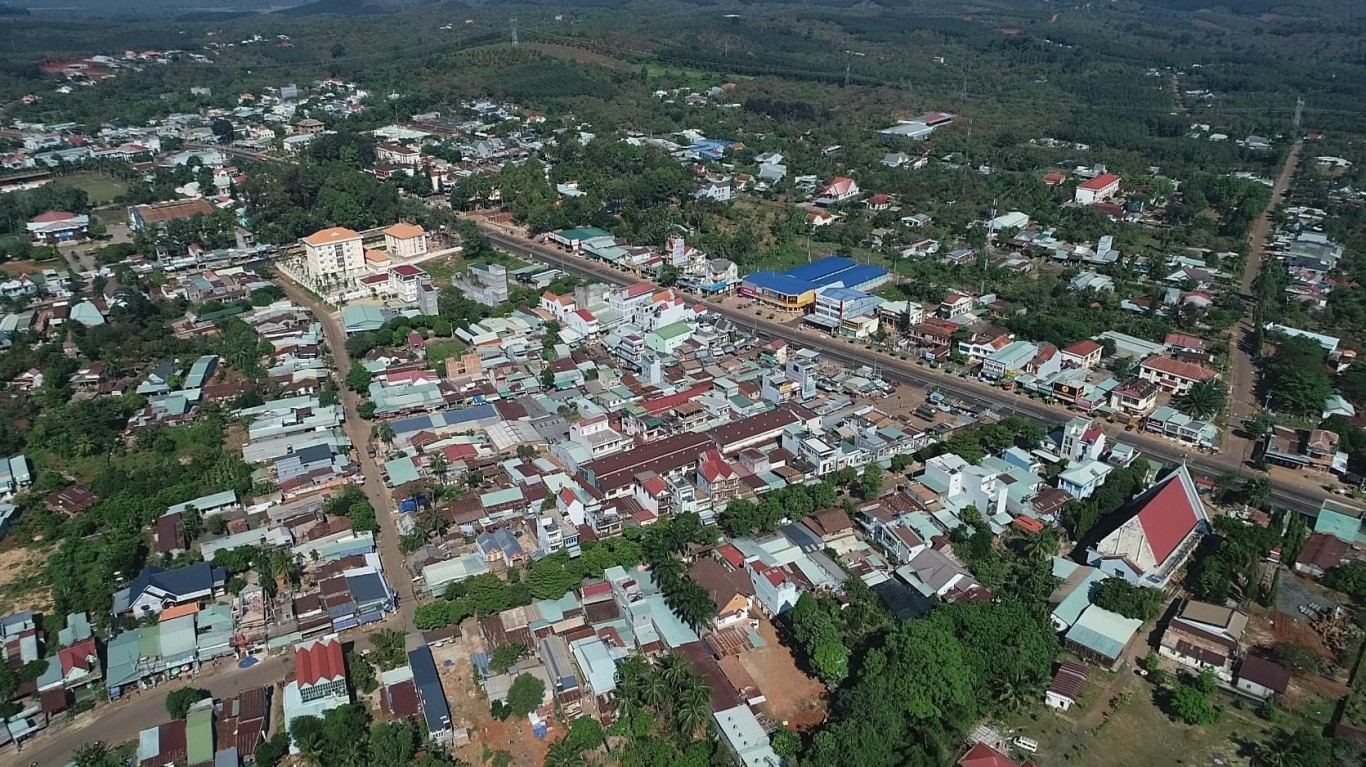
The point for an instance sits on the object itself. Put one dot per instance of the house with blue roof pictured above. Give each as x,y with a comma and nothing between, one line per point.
156,589
431,696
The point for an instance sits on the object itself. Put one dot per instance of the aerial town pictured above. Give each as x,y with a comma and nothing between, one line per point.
351,423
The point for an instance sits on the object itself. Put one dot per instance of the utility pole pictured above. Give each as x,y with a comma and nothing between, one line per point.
1299,110
515,42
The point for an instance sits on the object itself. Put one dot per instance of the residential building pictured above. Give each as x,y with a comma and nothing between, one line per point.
1203,637
1082,440
155,589
406,280
745,738
839,189
774,591
484,283
1262,678
1135,398
335,252
404,240
1097,189
1083,354
1173,375
1067,685
1312,449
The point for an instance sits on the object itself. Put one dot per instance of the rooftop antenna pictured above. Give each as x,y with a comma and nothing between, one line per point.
515,42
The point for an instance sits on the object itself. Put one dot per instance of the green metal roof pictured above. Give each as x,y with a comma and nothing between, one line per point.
673,330
1344,528
1102,631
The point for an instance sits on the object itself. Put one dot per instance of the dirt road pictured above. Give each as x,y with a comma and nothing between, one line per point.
1243,403
358,430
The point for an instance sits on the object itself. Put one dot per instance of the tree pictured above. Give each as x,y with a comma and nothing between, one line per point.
785,743
547,378
366,409
222,130
1205,399
1298,659
1350,579
870,482
1296,378
525,694
179,701
95,755
1119,596
1190,701
361,674
358,379
273,750
389,649
506,655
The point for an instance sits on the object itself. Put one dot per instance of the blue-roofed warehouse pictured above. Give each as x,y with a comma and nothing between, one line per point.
819,270
795,289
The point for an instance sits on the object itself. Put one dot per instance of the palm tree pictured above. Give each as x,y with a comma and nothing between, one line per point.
692,711
1205,399
384,432
438,465
1277,751
1256,491
94,755
562,753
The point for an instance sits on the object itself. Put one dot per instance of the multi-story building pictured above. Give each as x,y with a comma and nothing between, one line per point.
485,283
1173,375
335,252
406,281
405,240
1095,190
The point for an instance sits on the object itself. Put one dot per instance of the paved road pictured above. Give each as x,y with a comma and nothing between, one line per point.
1302,494
117,722
358,430
1242,368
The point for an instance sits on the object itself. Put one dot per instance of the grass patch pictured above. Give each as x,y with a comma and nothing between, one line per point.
445,348
102,189
443,269
1139,734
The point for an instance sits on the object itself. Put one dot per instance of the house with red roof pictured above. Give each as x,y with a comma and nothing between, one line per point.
879,201
1158,532
982,755
320,670
839,189
1083,354
58,226
1098,189
72,668
1173,375
775,592
583,322
716,477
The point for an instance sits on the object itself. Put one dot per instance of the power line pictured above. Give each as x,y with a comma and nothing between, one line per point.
515,42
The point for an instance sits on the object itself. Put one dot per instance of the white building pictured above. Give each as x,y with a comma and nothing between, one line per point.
334,252
1095,190
406,280
405,241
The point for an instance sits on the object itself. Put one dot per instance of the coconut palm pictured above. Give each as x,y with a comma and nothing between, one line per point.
562,753
1204,400
692,711
94,755
438,465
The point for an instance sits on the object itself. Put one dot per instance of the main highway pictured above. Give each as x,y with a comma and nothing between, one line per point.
1303,496
1289,489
